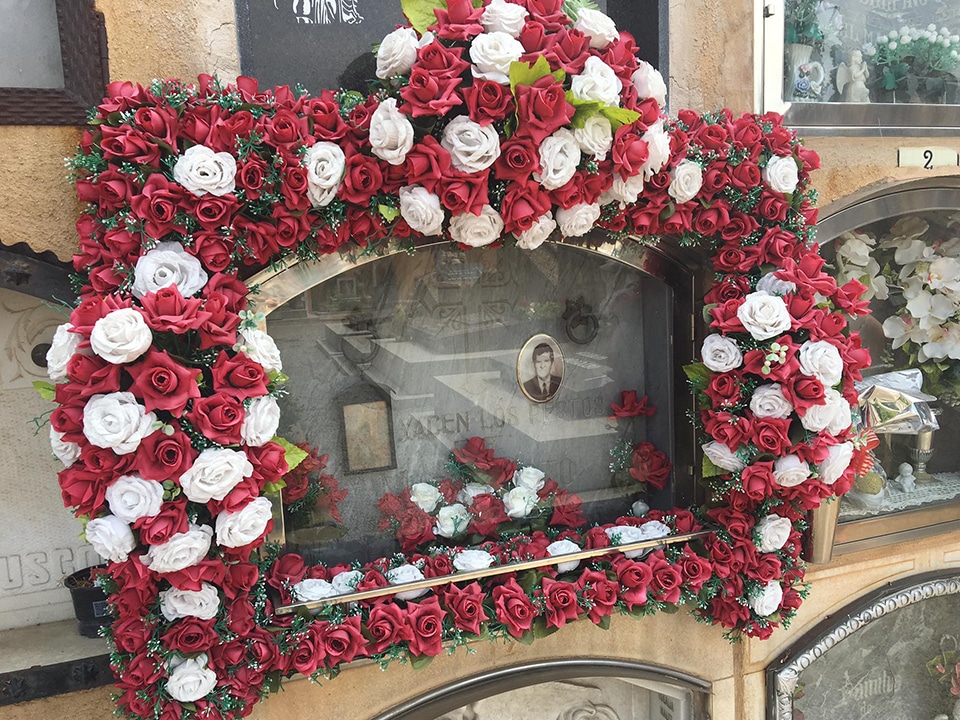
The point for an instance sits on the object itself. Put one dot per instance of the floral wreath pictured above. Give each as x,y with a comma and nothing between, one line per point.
508,123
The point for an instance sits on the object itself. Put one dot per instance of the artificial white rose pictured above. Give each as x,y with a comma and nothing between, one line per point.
477,230
397,53
202,604
773,285
201,170
492,53
519,502
214,473
790,470
595,137
405,574
66,452
121,336
764,315
190,679
772,533
425,496
768,601
467,560
821,359
721,456
626,534
168,264
391,133
658,149
260,347
452,521
181,551
117,421
623,190
237,529
471,491
421,209
111,537
326,164
639,508
649,83
530,478
597,81
346,582
312,589
538,233
833,416
838,460
769,401
564,547
130,497
686,179
597,26
720,353
64,346
578,220
504,17
781,174
472,147
559,158
261,418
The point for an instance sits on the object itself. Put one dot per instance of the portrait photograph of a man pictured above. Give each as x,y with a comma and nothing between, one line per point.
540,368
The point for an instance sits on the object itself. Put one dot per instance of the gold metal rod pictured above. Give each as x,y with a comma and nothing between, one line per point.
433,582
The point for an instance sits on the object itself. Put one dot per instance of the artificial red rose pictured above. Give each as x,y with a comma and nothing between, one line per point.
758,481
171,520
803,391
238,498
567,510
165,457
240,579
229,128
475,452
724,390
777,245
848,298
288,569
466,606
191,635
757,363
729,287
449,490
595,537
386,626
739,225
251,177
560,602
459,21
128,144
827,325
93,375
426,163
105,280
416,528
285,129
513,608
488,514
269,463
310,653
158,204
228,655
134,600
197,122
192,578
238,376
365,227
631,406
167,310
542,108
635,577
362,179
745,176
713,138
488,101
599,594
695,569
438,566
746,134
162,383
650,466
766,568
429,94
221,327
772,208
344,642
83,489
728,428
122,95
219,417
523,204
68,417
629,152
518,159
667,583
568,50
140,672
131,635
213,212
111,192
425,620
462,192
771,435
291,230
328,124
714,178
726,609
230,287
549,13
709,220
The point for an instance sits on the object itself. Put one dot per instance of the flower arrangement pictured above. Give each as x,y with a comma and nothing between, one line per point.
636,465
306,489
914,60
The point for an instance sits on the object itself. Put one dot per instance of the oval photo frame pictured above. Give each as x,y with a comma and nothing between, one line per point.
540,382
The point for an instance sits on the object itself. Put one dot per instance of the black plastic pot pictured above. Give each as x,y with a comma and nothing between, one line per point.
89,603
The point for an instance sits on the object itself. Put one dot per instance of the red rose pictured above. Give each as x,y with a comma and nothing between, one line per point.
171,519
251,176
513,608
128,144
140,672
439,566
746,176
112,190
386,626
803,391
228,286
630,406
475,452
93,375
777,245
130,636
426,163
459,21
567,510
695,569
757,480
158,204
650,466
416,528
560,601
192,578
425,620
766,568
227,129
289,568
724,390
167,310
122,96
240,579
487,511
738,226
772,207
344,642
285,129
466,606
238,376
429,94
548,13
567,49
463,192
848,298
362,179
488,101
629,151
634,578
729,287
310,652
163,383
219,417
732,430
196,123
269,463
599,594
771,435
221,327
667,582
83,489
712,137
191,635
165,457
523,204
542,108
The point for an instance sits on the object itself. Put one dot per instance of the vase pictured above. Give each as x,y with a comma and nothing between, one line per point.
89,603
818,542
797,54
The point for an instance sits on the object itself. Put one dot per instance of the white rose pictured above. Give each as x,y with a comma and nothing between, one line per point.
837,461
425,496
538,233
397,53
721,456
623,191
626,534
391,133
237,529
720,353
472,147
821,359
471,491
116,421
260,347
190,679
63,347
326,164
772,533
769,401
781,174
564,547
214,473
66,452
181,551
168,264
452,521
405,574
504,17
639,508
598,27
346,582
597,81
686,179
559,157
261,418
111,537
121,336
763,315
649,83
833,416
577,220
202,604
658,149
770,283
519,502
530,478
421,209
467,560
201,170
130,497
313,589
768,601
595,137
790,470
477,230
492,53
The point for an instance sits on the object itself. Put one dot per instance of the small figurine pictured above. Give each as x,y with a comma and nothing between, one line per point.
906,479
852,79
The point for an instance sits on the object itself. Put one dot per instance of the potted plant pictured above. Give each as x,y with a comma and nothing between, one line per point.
89,601
914,65
810,32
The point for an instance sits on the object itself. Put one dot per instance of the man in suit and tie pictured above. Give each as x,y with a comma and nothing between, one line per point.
544,384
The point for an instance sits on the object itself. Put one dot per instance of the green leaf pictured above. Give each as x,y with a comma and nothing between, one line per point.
272,488
389,213
585,109
527,638
540,629
478,3
709,469
271,682
293,455
420,12
419,662
698,374
604,623
572,8
619,116
522,73
46,390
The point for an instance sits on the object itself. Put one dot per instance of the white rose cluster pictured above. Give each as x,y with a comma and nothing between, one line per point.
397,53
425,496
564,547
472,147
720,353
722,456
181,551
477,230
121,336
452,521
597,81
405,574
391,133
261,348
838,460
130,497
202,604
168,264
468,560
769,401
559,158
781,174
772,533
597,26
686,179
326,164
821,360
595,137
649,83
214,473
764,316
111,537
116,421
790,470
538,233
201,171
65,451
519,502
626,534
578,219
240,528
190,678
261,419
421,209
768,600
491,54
834,415
504,17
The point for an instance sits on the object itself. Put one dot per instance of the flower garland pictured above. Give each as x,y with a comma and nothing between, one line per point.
166,389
